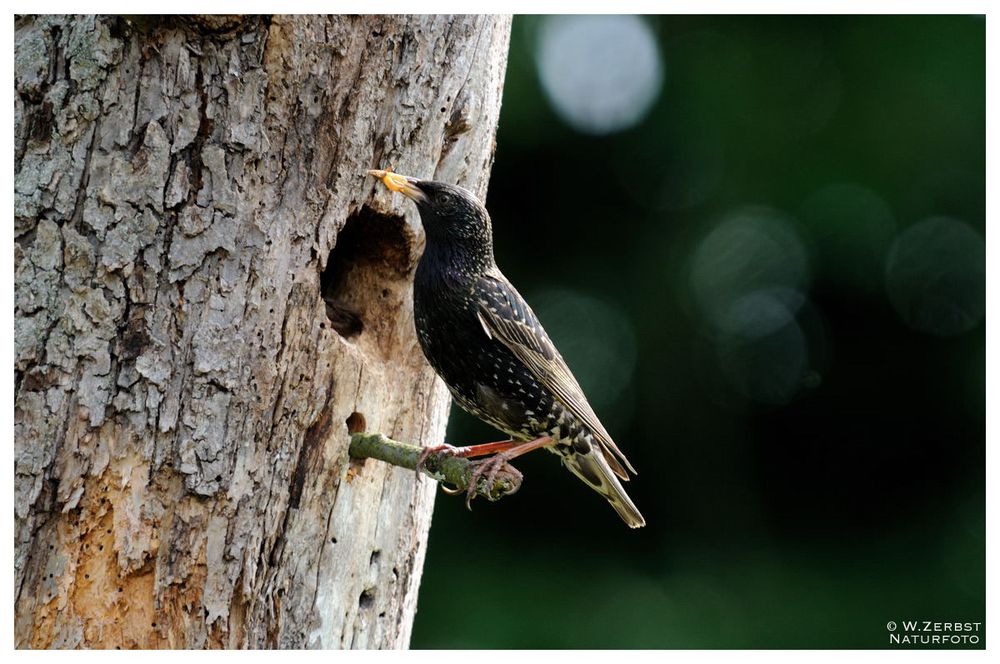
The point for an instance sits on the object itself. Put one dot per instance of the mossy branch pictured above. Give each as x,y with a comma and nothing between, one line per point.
457,471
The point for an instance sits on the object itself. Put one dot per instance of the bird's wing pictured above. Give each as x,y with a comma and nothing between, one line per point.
506,317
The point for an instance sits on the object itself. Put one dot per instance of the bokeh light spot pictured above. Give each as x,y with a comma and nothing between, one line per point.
935,276
748,278
601,74
596,339
852,228
749,273
769,369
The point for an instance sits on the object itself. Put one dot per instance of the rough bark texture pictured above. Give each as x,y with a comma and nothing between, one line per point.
186,194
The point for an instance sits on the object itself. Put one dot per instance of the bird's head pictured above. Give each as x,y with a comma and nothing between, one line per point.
452,216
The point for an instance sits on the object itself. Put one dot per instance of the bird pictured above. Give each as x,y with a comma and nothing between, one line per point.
488,346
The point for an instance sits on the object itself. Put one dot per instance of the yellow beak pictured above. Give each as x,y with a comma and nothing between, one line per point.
401,183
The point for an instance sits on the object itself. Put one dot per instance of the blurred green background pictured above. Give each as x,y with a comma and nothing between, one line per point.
759,243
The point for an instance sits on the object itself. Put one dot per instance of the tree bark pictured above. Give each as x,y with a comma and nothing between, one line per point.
210,294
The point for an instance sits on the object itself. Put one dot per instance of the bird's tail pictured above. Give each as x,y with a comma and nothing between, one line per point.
594,470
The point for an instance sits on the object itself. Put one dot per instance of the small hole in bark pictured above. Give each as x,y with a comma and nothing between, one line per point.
395,573
86,576
356,423
382,615
367,598
333,540
40,123
376,554
120,590
372,250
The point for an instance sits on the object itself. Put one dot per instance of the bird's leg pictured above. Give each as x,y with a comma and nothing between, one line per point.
493,465
465,451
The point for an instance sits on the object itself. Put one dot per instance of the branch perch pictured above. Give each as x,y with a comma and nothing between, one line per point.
439,466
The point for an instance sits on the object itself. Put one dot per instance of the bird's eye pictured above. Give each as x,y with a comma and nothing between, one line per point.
445,202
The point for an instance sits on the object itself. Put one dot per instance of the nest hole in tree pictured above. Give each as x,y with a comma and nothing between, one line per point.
355,423
367,277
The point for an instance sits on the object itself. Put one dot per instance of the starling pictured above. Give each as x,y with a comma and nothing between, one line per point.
485,342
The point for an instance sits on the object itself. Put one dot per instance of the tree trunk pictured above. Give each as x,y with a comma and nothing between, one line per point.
209,294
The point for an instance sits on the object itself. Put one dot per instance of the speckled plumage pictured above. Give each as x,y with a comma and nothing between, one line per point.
488,346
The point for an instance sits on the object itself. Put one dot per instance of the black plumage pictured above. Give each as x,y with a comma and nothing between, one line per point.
488,346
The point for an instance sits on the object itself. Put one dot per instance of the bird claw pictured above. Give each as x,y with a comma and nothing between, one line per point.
428,451
485,469
490,467
452,491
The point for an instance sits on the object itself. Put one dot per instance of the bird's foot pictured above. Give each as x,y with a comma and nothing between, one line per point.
447,450
463,451
490,468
